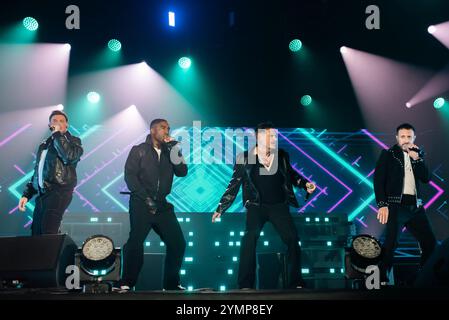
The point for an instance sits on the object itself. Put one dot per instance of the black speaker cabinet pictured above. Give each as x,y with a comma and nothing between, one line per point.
37,261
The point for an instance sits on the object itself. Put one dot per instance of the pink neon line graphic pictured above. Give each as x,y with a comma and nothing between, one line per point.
28,223
380,143
362,223
309,178
324,169
101,144
20,170
312,200
440,191
14,134
435,197
95,209
96,171
13,210
373,208
356,160
309,202
342,148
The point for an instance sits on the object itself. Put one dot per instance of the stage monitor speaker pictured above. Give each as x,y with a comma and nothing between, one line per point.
36,261
435,272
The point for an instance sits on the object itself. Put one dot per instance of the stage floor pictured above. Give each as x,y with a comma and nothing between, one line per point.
303,294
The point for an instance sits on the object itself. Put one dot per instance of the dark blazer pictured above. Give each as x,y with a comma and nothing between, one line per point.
389,176
242,176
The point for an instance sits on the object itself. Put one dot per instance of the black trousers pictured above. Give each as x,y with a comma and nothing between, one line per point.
416,222
49,209
166,225
281,219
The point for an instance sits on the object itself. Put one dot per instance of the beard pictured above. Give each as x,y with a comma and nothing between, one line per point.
404,146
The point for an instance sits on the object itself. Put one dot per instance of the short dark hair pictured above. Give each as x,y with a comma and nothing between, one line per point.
264,125
56,113
406,126
156,121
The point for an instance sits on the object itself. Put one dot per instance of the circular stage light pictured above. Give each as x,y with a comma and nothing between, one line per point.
99,263
306,100
30,24
184,62
114,45
365,250
97,255
439,103
93,97
295,45
343,49
431,29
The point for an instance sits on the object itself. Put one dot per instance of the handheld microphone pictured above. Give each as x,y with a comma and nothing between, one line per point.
171,144
419,151
307,194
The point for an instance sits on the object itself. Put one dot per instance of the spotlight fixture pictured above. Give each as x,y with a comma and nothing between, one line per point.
30,24
185,62
365,250
99,264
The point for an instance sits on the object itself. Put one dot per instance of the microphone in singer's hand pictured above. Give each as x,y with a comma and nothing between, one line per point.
419,151
172,143
307,193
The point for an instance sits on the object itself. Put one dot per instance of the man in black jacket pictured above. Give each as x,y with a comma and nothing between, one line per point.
397,178
149,172
54,176
267,178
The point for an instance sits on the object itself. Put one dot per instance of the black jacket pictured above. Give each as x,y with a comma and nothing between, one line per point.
389,176
242,176
147,177
64,152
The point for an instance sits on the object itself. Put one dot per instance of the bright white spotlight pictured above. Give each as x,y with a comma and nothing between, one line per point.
93,97
431,29
343,49
67,47
408,105
142,67
60,107
133,106
171,19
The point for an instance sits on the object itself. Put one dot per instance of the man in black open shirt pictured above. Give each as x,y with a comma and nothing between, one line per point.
267,194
